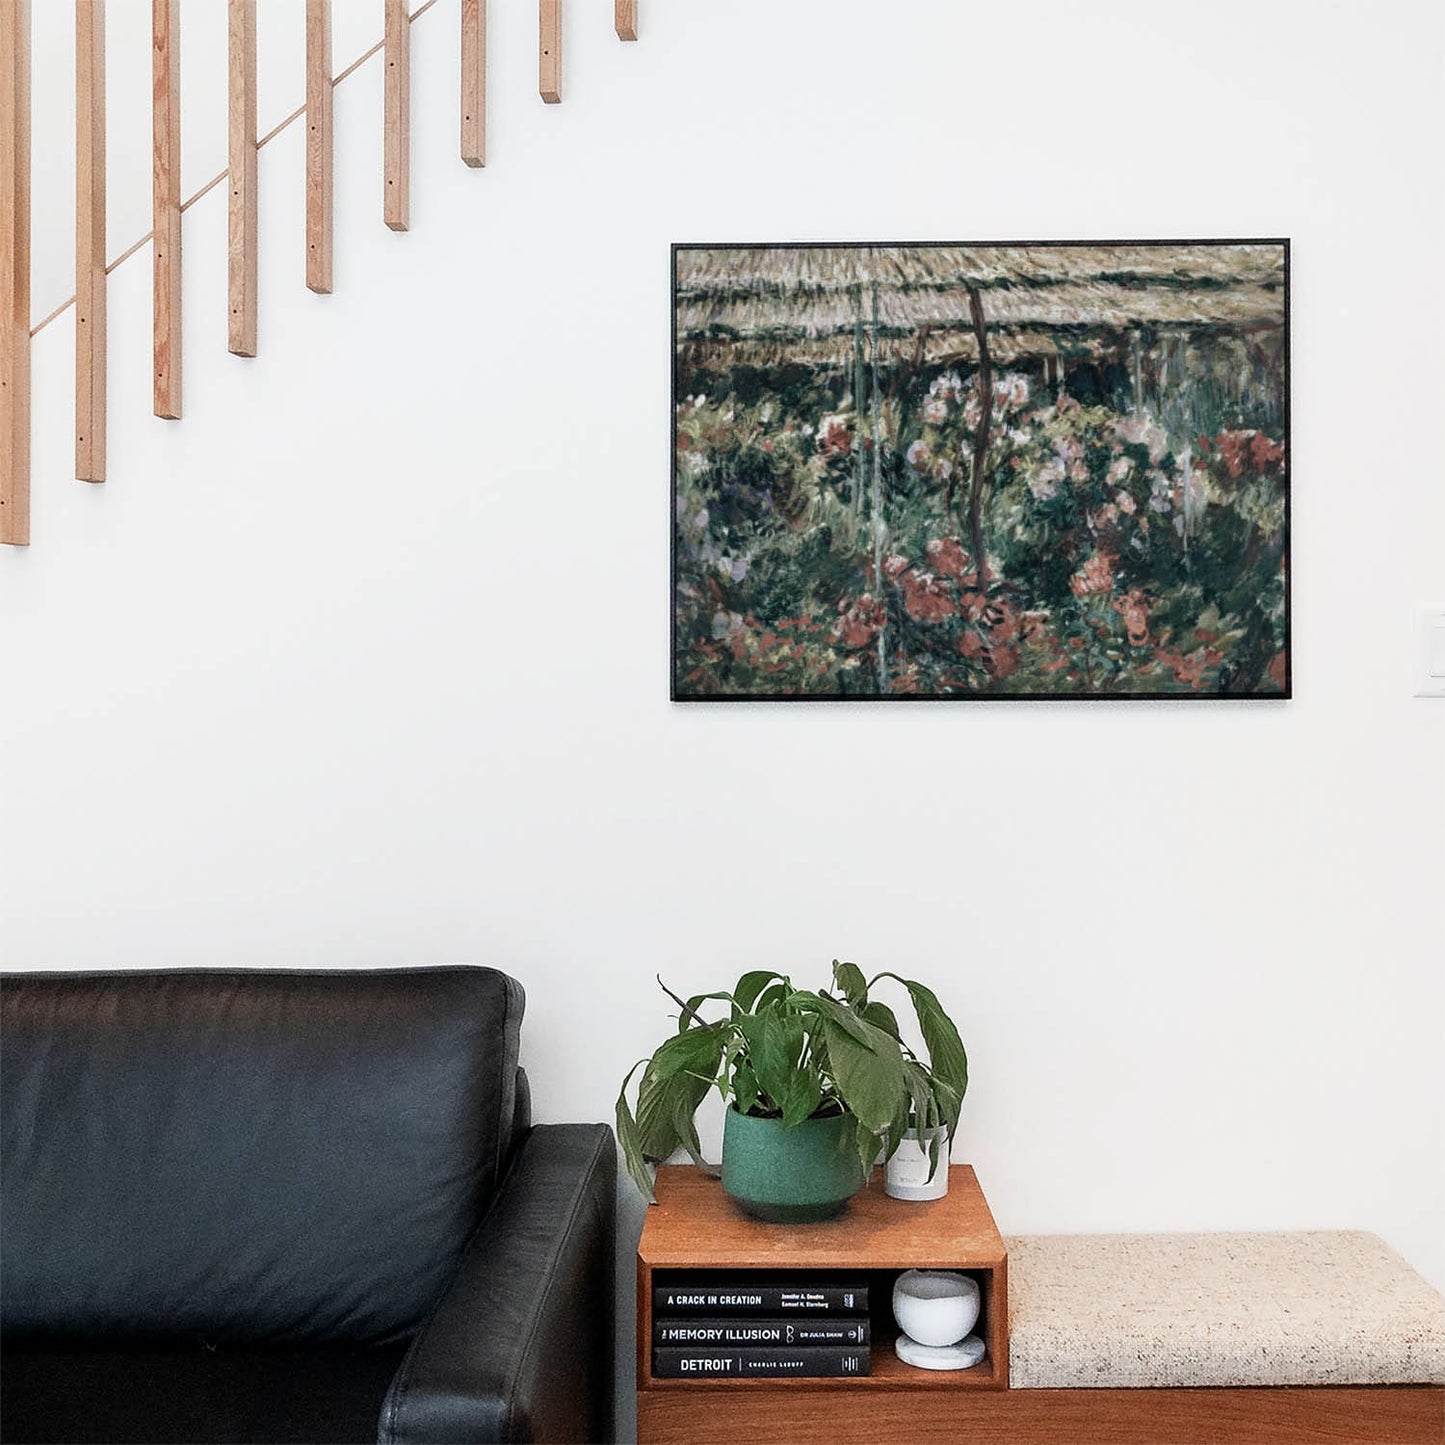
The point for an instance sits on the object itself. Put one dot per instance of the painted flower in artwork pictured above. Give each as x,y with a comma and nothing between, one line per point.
946,556
927,598
835,436
1096,575
860,621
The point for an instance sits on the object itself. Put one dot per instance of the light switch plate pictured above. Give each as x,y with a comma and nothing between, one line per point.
1432,654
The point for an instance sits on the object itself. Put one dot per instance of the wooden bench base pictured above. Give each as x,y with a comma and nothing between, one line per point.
1290,1415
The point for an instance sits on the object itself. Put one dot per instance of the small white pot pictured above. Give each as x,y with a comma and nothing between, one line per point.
935,1306
905,1176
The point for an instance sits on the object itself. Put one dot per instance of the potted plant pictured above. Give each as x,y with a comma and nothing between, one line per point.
817,1082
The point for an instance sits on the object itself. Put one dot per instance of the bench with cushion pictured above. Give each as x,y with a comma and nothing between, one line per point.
1326,1336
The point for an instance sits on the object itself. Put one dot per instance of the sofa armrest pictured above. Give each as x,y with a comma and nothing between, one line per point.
520,1346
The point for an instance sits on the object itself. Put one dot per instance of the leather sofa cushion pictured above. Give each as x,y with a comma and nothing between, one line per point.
110,1397
246,1156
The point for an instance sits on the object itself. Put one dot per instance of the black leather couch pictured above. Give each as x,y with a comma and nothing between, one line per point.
293,1206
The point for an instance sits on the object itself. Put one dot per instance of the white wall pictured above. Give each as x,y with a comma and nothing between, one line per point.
365,661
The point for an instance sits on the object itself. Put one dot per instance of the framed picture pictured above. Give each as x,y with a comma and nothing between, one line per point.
1014,470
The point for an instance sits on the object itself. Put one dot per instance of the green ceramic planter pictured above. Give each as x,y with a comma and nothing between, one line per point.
791,1176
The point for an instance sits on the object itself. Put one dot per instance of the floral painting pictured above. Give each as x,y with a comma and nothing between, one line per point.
1042,470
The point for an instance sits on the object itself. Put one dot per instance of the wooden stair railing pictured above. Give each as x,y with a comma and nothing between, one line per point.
474,82
396,123
318,145
242,216
15,272
90,298
243,229
166,204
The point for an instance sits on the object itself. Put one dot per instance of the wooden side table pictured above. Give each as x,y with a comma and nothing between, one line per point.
695,1226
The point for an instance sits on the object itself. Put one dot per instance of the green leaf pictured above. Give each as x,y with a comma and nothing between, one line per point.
689,1017
922,1106
774,993
818,1059
935,1153
869,1075
803,1095
693,1051
734,1046
881,1016
750,985
684,1126
775,1048
867,1142
836,1013
934,1107
661,1103
629,1137
657,1136
897,1127
745,1087
949,1104
946,1053
848,979
677,1079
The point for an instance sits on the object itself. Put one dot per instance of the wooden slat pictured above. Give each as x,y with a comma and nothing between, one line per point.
625,19
243,217
90,296
15,272
549,50
318,145
396,105
166,203
474,82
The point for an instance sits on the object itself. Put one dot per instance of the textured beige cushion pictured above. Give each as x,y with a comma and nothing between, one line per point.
1109,1310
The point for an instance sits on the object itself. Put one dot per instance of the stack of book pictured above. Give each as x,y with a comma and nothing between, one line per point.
759,1328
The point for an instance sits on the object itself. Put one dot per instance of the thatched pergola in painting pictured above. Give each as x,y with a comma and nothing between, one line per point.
981,471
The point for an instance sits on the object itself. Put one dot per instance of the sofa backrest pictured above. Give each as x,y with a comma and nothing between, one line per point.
246,1156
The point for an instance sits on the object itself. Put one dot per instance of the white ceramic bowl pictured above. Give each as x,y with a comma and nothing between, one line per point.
935,1306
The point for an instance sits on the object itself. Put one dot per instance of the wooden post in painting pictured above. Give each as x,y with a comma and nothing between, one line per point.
977,479
15,272
877,524
549,50
242,217
166,205
474,82
90,297
318,146
624,19
396,105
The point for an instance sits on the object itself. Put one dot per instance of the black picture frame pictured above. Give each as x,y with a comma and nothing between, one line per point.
1278,694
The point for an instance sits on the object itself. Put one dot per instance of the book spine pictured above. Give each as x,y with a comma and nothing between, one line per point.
744,1299
823,1330
817,1361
